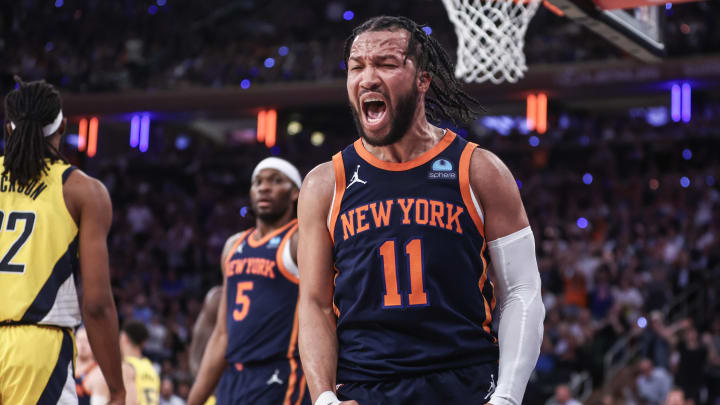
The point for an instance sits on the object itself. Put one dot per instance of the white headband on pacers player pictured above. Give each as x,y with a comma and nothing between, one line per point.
281,165
50,128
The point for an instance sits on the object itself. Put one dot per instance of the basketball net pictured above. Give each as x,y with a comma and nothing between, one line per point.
491,37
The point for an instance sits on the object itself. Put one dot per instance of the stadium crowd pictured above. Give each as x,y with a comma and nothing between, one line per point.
625,215
110,46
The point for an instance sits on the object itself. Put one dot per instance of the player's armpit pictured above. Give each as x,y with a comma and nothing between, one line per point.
318,338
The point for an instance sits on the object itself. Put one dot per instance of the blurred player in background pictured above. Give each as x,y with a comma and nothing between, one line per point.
89,382
203,327
141,380
252,352
396,303
48,213
202,330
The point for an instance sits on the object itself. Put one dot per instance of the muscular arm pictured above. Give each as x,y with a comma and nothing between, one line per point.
213,361
318,338
91,203
204,325
515,274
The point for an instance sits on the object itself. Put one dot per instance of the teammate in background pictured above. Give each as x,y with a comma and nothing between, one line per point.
204,325
396,302
141,379
49,211
252,351
203,328
89,382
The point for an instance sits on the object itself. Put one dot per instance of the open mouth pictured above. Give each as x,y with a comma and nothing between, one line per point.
374,110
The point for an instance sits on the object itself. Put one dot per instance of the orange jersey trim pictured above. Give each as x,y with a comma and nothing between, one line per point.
464,178
279,254
291,358
339,168
235,245
266,238
400,166
465,191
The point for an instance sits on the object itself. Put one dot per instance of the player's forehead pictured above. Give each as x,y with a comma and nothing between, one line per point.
386,42
270,174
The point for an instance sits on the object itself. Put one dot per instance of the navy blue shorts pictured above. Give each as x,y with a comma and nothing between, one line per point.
272,383
471,385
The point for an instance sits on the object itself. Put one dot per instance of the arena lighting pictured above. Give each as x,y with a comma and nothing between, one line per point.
267,127
531,110
294,128
144,132
245,84
283,50
261,126
270,128
348,15
59,3
582,223
684,182
243,211
587,178
161,2
275,150
519,184
92,137
427,30
686,103
82,134
642,322
536,112
675,102
534,141
135,131
269,62
317,138
541,125
687,154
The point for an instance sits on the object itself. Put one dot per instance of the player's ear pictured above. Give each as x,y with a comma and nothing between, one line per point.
295,194
424,78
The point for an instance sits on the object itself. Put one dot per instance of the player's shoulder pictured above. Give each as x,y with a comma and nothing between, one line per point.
231,241
320,177
85,187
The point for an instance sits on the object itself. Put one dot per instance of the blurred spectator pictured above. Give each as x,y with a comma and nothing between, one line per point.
653,383
167,393
690,372
564,397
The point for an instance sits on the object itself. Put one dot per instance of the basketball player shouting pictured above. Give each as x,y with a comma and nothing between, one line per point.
396,237
50,215
252,351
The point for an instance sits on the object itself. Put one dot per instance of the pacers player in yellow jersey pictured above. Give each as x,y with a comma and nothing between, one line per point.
141,379
50,212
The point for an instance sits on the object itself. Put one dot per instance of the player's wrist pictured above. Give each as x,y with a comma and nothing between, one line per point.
327,398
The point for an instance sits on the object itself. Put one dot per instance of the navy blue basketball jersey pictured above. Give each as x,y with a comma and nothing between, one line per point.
262,294
412,293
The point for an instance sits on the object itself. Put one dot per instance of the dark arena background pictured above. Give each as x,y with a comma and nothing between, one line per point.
615,145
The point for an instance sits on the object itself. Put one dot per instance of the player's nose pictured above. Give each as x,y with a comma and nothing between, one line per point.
369,79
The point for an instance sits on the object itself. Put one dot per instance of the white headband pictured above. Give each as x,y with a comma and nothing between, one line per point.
281,165
50,128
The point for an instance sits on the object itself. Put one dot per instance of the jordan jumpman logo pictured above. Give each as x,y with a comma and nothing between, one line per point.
355,178
275,379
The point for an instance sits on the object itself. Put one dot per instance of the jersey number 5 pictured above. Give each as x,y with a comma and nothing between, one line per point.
242,300
29,221
413,250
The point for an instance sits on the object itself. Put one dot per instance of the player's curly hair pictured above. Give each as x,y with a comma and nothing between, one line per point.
446,100
30,106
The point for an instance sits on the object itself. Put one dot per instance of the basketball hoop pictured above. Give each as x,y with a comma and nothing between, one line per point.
491,37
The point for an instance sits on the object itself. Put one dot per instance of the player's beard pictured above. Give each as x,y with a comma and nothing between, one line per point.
276,212
402,119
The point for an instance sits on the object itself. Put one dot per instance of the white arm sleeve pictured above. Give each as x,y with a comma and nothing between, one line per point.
98,400
520,312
